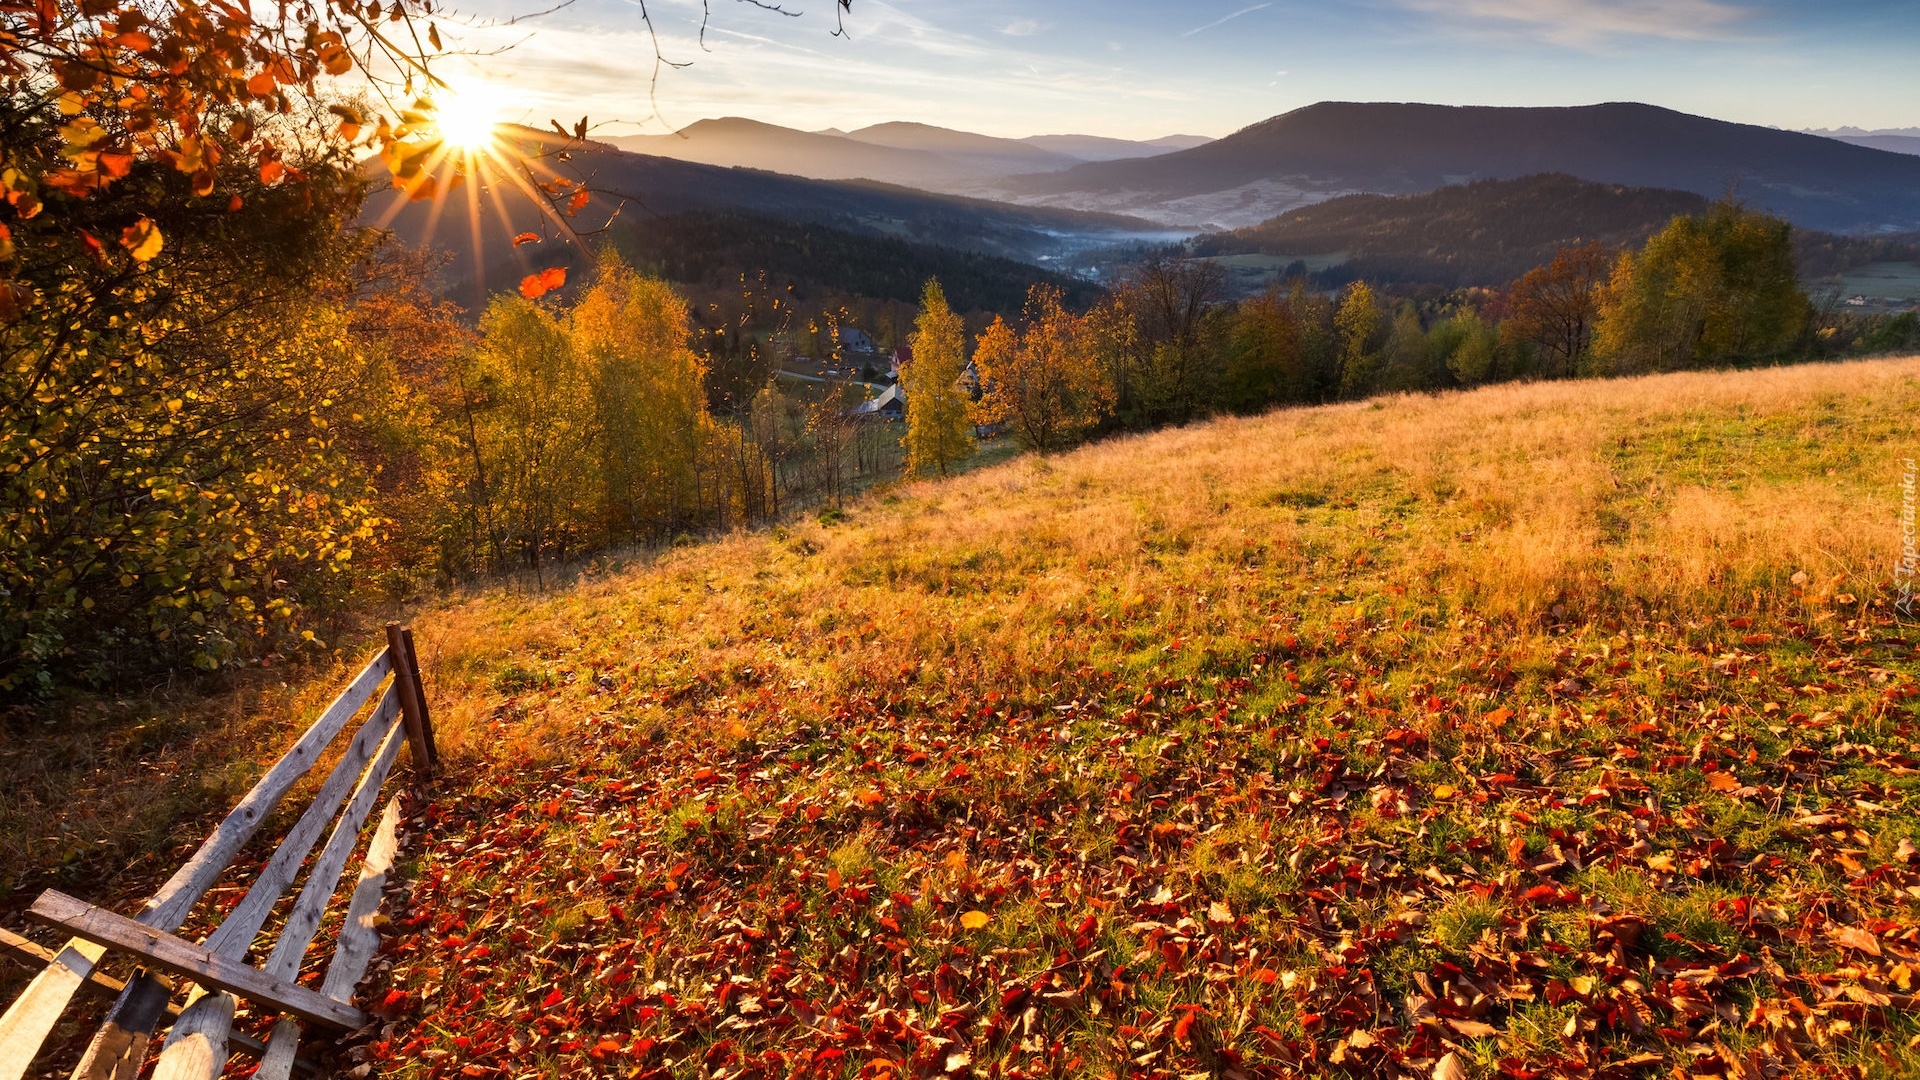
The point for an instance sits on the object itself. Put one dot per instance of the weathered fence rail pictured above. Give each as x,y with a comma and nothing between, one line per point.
200,1038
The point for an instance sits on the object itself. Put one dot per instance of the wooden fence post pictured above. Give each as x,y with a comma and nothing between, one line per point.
406,679
420,692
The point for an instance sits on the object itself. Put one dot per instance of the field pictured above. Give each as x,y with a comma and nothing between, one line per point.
1548,730
1882,281
1253,273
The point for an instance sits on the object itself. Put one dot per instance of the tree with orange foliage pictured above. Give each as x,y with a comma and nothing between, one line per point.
1044,379
1554,307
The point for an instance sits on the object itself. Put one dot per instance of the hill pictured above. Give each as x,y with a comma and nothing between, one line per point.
1339,148
1484,233
1096,148
733,142
914,155
1459,727
1897,144
1416,735
645,188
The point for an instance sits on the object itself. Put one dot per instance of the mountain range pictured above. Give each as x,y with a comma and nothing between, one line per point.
477,222
916,155
1340,148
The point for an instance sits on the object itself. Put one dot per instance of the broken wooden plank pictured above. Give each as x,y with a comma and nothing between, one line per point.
196,1048
27,1022
207,1021
196,962
359,940
32,953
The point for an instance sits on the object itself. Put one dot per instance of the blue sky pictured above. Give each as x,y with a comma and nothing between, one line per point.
1140,68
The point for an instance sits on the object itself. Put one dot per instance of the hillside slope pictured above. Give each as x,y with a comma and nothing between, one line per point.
1485,233
1337,148
1558,729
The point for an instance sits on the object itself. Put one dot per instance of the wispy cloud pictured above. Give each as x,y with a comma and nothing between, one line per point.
1024,27
1587,23
1227,19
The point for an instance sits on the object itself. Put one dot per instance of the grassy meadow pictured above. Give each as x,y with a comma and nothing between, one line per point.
1558,729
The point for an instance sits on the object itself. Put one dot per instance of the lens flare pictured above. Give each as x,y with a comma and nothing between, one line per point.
468,116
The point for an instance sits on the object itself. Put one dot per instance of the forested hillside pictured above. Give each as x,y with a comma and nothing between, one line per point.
1491,231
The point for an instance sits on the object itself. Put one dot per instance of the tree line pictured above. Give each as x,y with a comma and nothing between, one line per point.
1166,346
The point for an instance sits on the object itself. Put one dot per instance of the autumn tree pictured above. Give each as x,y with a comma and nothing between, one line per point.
1706,289
1044,378
1553,308
629,334
1266,355
939,434
174,488
1180,334
1357,329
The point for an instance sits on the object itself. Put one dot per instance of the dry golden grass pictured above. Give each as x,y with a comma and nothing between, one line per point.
1669,497
1251,601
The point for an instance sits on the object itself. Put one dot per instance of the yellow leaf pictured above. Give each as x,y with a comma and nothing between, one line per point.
974,920
142,239
1443,791
1662,862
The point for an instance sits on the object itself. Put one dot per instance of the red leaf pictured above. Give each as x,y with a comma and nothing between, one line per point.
525,238
578,202
535,286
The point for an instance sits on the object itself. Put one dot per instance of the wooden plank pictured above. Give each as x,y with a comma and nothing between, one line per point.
202,1029
32,1015
409,700
359,937
420,690
30,952
182,957
27,1022
359,940
196,1048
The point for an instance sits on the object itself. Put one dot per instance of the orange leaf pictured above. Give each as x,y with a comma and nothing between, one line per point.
974,920
336,59
525,238
578,202
833,878
261,85
535,286
271,172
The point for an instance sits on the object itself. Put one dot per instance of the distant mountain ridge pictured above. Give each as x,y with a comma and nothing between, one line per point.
911,154
1339,148
656,188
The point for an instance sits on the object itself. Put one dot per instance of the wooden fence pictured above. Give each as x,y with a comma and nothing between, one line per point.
200,1036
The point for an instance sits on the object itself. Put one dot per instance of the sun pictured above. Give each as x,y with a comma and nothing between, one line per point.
468,116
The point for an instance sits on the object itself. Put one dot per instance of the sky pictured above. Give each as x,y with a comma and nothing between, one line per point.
1148,68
